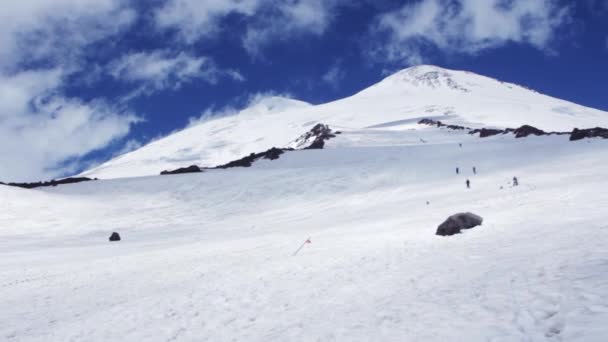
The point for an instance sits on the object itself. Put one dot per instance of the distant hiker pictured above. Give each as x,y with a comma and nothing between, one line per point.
457,170
468,184
427,202
515,181
460,144
474,170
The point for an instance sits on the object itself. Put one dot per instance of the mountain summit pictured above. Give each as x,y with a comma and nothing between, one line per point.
396,103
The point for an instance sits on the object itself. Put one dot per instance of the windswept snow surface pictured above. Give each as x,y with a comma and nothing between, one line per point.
209,257
396,104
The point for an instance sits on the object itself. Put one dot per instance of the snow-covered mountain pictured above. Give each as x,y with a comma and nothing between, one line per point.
396,103
335,244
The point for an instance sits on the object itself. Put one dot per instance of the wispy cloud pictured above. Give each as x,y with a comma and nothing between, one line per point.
267,20
195,19
257,102
41,128
283,19
334,75
57,30
160,70
467,27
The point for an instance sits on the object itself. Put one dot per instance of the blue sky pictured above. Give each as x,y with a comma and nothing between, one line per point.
84,80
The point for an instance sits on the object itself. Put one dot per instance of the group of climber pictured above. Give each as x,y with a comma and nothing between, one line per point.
468,182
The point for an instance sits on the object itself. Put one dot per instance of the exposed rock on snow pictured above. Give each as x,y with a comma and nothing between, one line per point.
527,130
114,237
597,132
314,139
455,223
521,132
271,154
487,132
189,169
49,183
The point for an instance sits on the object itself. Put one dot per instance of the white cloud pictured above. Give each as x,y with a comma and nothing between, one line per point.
334,75
159,70
468,26
57,29
267,19
235,75
257,102
194,19
41,129
162,70
287,19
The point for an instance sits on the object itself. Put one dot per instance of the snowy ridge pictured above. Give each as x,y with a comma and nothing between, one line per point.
395,104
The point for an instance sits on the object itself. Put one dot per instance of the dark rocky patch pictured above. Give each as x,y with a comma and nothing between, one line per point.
455,127
114,237
527,130
523,131
487,132
34,185
597,132
438,123
429,122
271,154
318,135
457,222
189,169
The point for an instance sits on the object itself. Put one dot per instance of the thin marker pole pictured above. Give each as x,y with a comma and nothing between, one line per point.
303,244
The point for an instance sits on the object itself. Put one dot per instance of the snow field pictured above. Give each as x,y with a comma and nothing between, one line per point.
208,257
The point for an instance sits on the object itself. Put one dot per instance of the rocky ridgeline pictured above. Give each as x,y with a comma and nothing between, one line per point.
523,131
271,154
49,183
597,132
189,169
313,139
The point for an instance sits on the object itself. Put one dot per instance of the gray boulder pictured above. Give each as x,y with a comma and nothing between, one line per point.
455,223
114,237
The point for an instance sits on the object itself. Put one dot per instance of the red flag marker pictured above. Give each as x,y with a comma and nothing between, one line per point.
304,244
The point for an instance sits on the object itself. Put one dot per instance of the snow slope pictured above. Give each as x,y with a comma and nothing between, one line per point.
209,257
396,104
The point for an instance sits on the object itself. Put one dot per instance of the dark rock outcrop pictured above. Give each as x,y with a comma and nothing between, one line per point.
34,185
523,131
271,154
597,132
438,123
114,237
457,222
189,169
487,132
527,130
315,138
322,133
